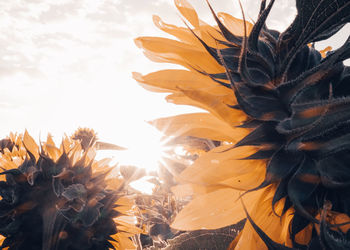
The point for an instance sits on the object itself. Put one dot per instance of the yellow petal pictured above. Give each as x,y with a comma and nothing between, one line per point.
127,224
304,236
247,181
172,80
217,105
233,244
171,51
65,145
249,239
277,228
125,201
188,12
2,238
100,166
7,163
213,210
53,152
126,234
183,34
115,183
235,25
149,85
49,140
91,154
325,50
124,210
202,125
189,189
18,161
182,99
341,218
30,144
234,117
218,165
122,242
205,32
125,220
211,35
131,229
75,154
333,217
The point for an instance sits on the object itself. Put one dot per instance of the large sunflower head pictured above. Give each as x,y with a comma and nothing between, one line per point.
61,197
280,109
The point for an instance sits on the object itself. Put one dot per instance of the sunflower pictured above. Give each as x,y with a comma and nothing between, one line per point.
61,197
280,110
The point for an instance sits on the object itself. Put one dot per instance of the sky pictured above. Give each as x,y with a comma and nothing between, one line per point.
66,64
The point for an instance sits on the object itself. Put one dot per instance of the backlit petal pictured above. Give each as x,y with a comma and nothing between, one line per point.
30,144
213,210
221,164
188,12
171,80
171,51
201,125
189,189
217,105
275,227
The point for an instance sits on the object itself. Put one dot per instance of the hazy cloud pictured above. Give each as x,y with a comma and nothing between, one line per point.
68,63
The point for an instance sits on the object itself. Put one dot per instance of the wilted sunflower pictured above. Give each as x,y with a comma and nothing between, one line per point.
281,110
61,198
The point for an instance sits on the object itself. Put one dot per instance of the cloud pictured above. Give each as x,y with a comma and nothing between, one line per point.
58,12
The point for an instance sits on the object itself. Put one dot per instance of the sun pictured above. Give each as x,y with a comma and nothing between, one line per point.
144,148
